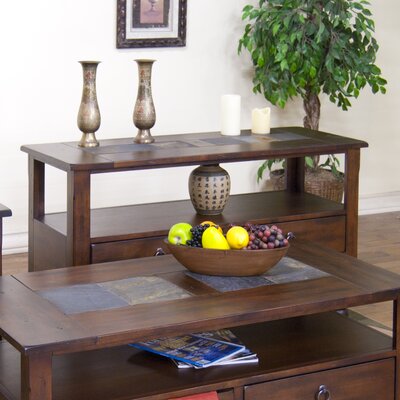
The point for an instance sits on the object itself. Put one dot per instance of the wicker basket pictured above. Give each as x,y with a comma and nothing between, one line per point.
321,183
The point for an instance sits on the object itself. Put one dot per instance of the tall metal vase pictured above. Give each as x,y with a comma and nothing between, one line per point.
144,114
89,114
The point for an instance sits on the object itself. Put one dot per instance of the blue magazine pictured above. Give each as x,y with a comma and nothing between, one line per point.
226,335
192,349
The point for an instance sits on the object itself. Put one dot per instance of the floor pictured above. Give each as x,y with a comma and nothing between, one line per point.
379,244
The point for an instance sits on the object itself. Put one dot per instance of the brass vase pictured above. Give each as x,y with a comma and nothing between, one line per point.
144,114
89,114
209,188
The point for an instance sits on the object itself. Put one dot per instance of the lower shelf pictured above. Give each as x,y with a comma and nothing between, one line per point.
285,348
154,219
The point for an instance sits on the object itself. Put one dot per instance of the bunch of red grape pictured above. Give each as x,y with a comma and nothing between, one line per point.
266,237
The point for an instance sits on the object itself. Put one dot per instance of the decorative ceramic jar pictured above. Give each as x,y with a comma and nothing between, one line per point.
144,114
89,114
209,188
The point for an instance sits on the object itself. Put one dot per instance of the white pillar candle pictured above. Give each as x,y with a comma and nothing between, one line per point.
230,114
260,120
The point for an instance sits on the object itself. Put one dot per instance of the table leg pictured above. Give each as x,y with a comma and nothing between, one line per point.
295,174
352,167
36,202
396,345
36,377
78,218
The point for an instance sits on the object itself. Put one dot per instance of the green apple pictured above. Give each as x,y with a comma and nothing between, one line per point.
180,233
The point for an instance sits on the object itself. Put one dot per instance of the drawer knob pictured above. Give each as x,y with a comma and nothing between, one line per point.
323,393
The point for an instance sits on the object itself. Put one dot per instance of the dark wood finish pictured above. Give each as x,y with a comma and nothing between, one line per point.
155,219
36,203
36,377
290,326
115,154
336,342
378,244
125,249
83,228
78,218
4,212
352,166
295,172
326,231
369,381
49,247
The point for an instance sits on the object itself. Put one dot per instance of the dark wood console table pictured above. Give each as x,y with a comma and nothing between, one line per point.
301,342
82,236
4,212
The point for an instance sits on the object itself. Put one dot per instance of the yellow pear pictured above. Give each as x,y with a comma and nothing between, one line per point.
213,239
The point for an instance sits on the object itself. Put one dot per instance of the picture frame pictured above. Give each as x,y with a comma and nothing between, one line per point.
151,23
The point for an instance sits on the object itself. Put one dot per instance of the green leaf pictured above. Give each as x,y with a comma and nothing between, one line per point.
284,65
309,162
247,8
261,170
375,70
275,29
281,103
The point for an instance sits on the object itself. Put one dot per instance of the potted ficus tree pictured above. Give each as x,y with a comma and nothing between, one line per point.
308,48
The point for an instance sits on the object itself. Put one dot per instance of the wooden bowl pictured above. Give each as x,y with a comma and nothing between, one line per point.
226,262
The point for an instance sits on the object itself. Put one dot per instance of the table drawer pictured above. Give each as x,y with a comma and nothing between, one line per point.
227,394
124,249
369,381
326,231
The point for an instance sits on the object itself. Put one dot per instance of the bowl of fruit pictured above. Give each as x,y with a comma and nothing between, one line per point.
246,250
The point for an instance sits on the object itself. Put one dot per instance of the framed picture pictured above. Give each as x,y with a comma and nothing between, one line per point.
151,23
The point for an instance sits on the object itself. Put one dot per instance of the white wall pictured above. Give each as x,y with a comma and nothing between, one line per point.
41,80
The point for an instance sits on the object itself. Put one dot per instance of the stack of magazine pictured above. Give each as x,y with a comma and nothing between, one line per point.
201,350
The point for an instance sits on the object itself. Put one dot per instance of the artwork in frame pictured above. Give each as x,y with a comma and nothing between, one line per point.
151,23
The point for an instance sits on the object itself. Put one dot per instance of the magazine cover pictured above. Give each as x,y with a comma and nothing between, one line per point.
194,350
226,335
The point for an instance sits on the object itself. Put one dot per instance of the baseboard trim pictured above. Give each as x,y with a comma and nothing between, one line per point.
370,204
14,243
379,203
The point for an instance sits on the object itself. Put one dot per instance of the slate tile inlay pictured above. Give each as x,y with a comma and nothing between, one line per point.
113,294
287,270
145,289
81,298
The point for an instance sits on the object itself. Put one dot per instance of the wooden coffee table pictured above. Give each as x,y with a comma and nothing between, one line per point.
306,349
